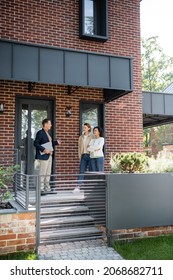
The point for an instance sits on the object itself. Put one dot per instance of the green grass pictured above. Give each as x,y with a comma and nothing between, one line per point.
155,248
20,256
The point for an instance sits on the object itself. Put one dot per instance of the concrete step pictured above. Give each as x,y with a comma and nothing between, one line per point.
62,196
63,209
64,221
70,232
61,204
67,216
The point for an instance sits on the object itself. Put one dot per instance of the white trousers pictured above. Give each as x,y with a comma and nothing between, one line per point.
45,172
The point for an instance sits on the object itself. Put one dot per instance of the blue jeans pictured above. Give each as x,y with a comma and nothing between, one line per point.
84,163
97,164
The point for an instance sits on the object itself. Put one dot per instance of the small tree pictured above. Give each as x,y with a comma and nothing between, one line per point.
157,68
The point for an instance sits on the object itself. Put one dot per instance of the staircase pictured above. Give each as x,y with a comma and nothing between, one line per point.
67,216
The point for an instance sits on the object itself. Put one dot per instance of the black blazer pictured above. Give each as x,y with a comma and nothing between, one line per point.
40,139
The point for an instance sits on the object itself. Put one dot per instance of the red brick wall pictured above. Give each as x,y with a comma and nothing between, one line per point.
135,233
56,23
67,129
122,131
17,232
51,23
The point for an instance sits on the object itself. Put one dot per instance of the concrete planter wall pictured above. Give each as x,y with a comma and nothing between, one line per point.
17,230
139,201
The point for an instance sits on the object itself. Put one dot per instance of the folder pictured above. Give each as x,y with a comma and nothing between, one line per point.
47,146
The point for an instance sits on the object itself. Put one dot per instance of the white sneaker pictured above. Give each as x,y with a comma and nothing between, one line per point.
76,190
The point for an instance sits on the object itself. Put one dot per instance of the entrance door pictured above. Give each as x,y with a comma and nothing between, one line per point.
29,116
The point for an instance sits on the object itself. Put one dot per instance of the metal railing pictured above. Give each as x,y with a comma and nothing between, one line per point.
62,215
26,189
65,215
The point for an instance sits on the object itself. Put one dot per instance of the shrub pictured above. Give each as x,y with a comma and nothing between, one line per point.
160,165
115,164
129,162
6,178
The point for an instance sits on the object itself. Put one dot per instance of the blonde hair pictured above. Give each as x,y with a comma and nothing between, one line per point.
88,125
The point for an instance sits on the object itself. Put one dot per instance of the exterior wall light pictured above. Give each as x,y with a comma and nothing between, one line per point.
68,111
1,107
31,86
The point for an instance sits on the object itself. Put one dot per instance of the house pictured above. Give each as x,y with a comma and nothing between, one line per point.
169,88
72,61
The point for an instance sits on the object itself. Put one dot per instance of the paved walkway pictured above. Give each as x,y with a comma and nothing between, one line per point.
78,250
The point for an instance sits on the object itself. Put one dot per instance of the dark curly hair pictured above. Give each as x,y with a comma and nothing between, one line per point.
100,130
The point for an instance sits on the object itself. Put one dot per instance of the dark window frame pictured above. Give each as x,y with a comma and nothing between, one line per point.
100,26
101,108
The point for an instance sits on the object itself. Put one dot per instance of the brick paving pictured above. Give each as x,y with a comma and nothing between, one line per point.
78,250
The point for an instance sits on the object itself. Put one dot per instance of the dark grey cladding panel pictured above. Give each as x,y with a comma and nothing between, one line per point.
146,103
157,103
5,60
98,71
51,66
157,108
120,73
139,200
168,104
37,63
75,68
25,62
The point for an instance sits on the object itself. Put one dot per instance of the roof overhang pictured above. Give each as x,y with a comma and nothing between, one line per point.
43,64
112,94
157,108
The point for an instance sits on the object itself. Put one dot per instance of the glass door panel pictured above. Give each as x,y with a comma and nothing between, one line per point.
90,116
24,138
29,116
91,113
37,115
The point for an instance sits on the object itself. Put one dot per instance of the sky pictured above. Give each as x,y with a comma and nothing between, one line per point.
157,19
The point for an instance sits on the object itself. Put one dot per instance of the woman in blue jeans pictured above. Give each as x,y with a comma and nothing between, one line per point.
96,150
84,155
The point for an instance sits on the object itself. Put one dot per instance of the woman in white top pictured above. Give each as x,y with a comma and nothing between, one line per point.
96,150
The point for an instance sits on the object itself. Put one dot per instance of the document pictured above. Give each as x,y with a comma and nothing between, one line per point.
47,146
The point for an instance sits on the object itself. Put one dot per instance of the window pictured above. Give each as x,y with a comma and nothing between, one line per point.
92,113
93,19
